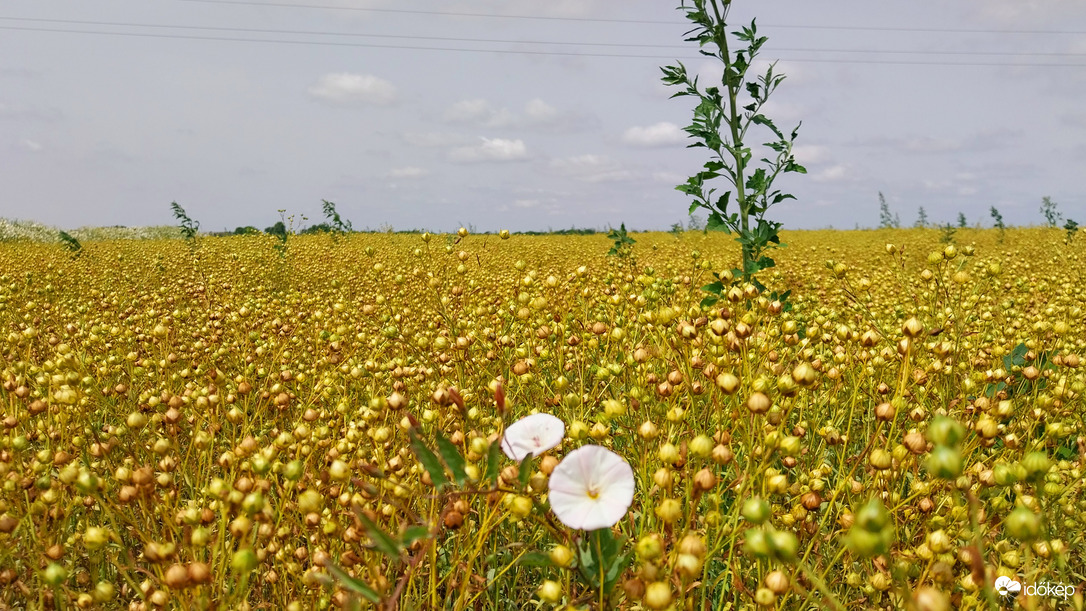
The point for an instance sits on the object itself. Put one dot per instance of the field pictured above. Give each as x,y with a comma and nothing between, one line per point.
228,424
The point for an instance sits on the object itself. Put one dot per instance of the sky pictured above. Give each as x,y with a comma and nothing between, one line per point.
524,115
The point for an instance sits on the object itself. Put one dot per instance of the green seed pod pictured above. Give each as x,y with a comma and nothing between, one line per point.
1023,524
1036,464
945,462
756,510
244,561
945,431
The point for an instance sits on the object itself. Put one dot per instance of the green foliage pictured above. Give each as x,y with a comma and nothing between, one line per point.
623,246
1016,385
600,561
886,219
334,225
723,115
947,232
921,218
71,244
247,230
318,228
998,218
962,222
279,230
1071,227
1048,209
189,227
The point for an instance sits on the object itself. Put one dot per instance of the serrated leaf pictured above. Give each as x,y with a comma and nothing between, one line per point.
713,287
382,541
353,585
429,461
452,458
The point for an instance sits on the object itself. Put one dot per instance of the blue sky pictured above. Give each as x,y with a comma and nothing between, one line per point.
522,115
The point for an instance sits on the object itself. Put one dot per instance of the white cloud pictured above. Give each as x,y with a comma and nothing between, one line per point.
835,173
479,112
539,111
490,149
408,172
433,139
810,153
590,168
30,145
347,88
659,134
669,177
929,144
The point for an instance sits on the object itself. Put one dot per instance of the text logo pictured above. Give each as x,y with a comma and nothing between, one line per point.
1007,586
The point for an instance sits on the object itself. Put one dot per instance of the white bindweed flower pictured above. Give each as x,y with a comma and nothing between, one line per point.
591,488
532,435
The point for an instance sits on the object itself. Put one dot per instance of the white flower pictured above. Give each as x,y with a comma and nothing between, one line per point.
532,435
591,488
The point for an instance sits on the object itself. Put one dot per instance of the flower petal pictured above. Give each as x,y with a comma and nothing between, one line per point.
591,488
532,435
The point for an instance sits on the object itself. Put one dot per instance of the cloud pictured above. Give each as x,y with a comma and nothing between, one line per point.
479,112
834,173
347,88
659,134
408,172
590,168
31,145
526,203
433,139
538,111
490,149
810,153
673,178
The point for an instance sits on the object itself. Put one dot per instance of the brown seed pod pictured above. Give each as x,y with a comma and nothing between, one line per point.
177,577
199,572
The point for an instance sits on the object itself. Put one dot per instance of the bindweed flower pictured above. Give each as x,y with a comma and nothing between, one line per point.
532,435
591,488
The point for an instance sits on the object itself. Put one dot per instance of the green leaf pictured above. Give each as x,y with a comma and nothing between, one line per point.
353,585
709,301
713,287
452,458
414,533
429,461
535,559
525,472
381,540
716,223
493,458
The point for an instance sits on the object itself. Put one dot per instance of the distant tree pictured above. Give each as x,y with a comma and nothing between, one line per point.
998,218
278,229
921,218
1048,209
1071,227
962,222
246,230
695,223
318,228
886,219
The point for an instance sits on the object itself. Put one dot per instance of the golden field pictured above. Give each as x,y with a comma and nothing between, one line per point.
222,425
